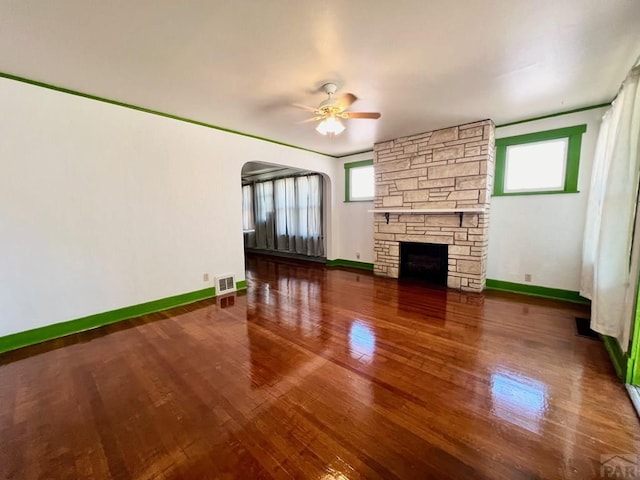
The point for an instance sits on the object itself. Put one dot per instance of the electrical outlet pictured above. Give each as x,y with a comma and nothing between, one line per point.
527,277
205,277
358,255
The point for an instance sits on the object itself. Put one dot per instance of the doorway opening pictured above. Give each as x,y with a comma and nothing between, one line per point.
283,211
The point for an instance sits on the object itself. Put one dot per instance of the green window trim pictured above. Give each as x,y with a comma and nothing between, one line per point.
574,136
347,179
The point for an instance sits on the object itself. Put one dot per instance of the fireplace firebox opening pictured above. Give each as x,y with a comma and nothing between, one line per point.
427,262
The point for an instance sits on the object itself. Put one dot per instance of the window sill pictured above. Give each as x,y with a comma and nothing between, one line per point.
359,201
517,194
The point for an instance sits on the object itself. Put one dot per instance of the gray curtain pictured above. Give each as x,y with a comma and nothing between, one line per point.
287,214
264,215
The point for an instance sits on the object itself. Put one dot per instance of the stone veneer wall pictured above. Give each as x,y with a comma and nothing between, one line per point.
448,168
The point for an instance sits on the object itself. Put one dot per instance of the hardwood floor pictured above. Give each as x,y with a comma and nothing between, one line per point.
322,374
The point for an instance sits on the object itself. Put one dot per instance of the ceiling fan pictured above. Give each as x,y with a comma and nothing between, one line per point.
333,109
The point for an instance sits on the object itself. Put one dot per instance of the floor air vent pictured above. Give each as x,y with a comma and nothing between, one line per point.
225,284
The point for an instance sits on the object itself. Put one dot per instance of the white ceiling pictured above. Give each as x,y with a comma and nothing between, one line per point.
240,64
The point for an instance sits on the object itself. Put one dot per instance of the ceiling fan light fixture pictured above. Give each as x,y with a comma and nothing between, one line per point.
331,126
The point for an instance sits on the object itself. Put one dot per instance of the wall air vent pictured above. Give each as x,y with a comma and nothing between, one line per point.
225,284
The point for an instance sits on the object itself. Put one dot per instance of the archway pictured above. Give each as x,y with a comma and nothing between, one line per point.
286,211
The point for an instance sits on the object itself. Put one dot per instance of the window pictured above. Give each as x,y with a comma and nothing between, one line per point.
538,163
359,181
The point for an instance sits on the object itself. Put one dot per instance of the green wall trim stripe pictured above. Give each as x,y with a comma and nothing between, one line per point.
241,285
558,114
536,291
617,356
57,330
49,86
36,83
339,262
369,150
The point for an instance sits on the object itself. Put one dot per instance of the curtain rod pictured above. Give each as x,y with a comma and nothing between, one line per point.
309,174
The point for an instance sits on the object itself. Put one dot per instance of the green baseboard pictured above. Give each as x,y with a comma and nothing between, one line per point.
57,330
339,262
536,291
618,357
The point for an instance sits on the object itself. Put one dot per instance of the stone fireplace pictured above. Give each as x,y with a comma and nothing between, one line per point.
434,187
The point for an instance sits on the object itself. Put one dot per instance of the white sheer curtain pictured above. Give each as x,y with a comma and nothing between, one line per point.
247,208
302,201
314,216
248,212
288,215
607,276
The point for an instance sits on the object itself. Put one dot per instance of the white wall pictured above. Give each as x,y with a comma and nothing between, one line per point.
103,207
355,225
542,234
536,234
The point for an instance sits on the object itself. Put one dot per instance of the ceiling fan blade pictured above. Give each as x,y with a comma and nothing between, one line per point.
362,115
345,100
305,107
312,119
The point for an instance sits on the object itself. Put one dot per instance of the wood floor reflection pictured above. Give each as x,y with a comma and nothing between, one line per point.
323,374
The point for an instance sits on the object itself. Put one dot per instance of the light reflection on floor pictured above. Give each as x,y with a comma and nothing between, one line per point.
520,400
362,341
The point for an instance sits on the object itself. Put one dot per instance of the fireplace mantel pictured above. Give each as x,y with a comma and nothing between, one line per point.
428,211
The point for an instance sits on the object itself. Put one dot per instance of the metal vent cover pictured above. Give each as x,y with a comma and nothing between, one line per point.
225,284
